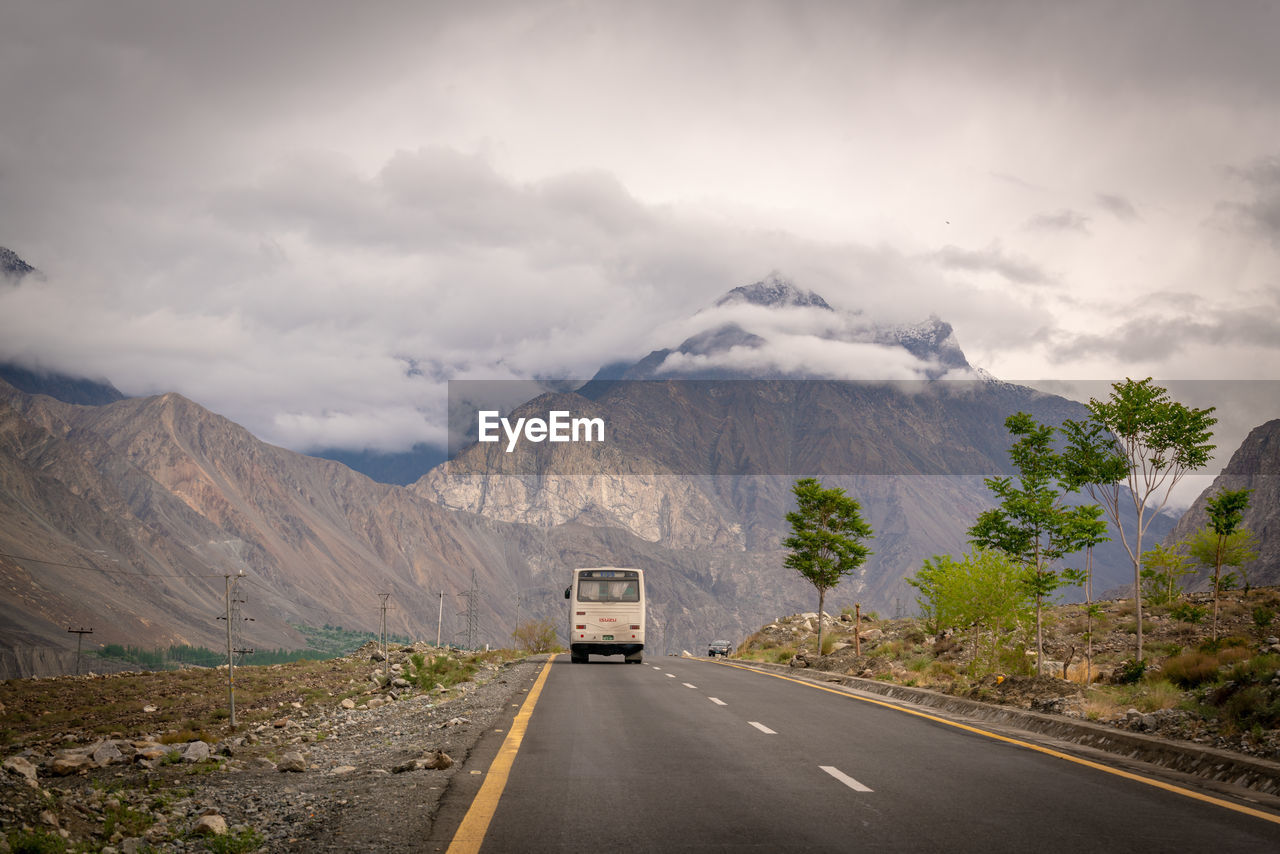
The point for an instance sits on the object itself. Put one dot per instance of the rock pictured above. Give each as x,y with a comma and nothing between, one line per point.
342,769
400,683
375,702
196,751
210,825
870,635
439,761
107,754
377,655
48,819
21,766
348,704
149,708
66,764
292,761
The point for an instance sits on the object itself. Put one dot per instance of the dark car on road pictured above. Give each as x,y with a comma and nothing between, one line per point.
718,647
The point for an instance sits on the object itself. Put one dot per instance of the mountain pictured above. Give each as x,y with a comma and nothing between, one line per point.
57,385
1255,466
12,267
724,349
702,452
130,516
127,517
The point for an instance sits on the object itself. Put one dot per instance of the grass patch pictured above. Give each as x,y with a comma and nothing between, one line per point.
236,842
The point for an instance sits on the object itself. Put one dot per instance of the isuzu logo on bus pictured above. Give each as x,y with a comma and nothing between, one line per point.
608,619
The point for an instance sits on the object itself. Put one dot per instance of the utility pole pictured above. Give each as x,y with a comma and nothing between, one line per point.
79,633
231,651
439,619
472,612
382,636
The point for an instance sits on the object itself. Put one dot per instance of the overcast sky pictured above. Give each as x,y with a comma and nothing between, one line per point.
307,216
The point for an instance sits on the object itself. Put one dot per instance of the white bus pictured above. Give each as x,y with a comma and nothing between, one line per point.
606,613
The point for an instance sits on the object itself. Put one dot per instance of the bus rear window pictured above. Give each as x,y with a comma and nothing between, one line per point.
605,590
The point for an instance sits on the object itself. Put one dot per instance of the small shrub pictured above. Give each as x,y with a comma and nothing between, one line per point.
1188,613
128,821
1223,643
1263,617
1190,669
1129,672
236,842
35,842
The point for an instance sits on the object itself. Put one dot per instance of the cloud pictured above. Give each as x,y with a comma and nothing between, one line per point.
1118,206
1261,214
992,259
1062,220
1150,337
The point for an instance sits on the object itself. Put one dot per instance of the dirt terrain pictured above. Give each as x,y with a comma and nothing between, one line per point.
324,758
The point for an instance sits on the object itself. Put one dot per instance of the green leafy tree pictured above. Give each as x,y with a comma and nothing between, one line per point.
1141,440
983,593
825,545
1224,542
1031,524
1163,569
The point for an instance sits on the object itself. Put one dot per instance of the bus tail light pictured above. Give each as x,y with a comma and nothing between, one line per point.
579,627
635,628
581,614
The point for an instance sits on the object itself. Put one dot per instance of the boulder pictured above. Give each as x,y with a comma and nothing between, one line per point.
292,761
107,754
210,825
66,764
21,766
439,761
196,751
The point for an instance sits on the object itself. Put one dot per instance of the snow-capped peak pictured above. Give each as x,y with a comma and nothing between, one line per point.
774,292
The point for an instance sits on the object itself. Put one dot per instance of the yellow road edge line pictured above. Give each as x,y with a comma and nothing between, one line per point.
1159,784
470,833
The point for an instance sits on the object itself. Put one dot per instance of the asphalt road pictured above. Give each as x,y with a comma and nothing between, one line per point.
681,755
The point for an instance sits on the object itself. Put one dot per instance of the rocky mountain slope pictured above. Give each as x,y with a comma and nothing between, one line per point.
1255,466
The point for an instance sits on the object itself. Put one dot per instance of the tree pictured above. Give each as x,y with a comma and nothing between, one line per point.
1031,525
536,636
826,533
1141,439
1163,569
1224,542
983,592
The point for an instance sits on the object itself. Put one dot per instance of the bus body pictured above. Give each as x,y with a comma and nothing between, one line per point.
606,613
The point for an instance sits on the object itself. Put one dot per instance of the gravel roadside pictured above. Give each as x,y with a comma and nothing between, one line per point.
367,779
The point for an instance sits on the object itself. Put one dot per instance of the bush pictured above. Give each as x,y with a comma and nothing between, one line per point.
536,636
1188,613
1129,672
236,842
35,842
1190,669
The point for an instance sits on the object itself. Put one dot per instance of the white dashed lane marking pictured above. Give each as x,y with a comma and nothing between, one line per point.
717,701
764,729
687,685
844,778
669,675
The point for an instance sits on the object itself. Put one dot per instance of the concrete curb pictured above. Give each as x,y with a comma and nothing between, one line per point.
1208,763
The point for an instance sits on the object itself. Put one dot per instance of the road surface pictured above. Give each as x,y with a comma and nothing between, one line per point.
684,755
